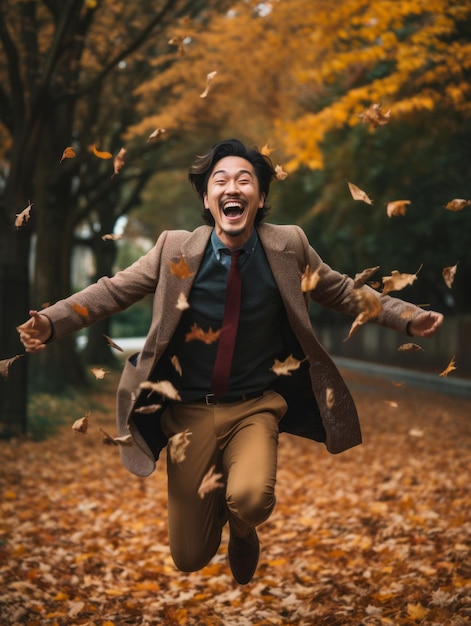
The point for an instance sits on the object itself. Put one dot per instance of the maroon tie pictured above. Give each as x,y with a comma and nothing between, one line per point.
222,365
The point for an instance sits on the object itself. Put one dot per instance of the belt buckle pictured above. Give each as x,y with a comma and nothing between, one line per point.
210,399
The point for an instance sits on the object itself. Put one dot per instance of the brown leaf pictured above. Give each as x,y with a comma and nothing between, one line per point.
109,440
284,368
398,281
448,274
177,445
111,237
280,173
163,387
148,408
69,153
209,79
329,397
7,363
118,161
81,425
112,344
98,372
210,482
398,207
266,151
363,277
101,154
358,194
23,217
208,337
309,279
410,347
156,133
449,368
176,364
374,117
179,42
180,268
457,205
370,308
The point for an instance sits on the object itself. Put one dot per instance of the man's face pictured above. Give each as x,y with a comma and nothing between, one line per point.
233,198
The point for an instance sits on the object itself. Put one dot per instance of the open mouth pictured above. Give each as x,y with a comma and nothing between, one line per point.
232,209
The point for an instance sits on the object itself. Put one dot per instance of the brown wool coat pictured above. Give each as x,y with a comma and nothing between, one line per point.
320,405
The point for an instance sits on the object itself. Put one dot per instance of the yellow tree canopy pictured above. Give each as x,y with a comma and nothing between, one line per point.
290,72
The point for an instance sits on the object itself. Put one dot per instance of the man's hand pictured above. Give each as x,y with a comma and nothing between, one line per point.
426,324
35,332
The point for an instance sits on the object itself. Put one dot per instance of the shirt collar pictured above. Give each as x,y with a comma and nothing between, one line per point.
248,247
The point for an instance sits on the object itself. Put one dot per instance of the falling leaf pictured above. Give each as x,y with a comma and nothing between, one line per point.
449,368
358,194
363,277
180,268
23,217
182,302
448,274
457,204
69,153
280,173
284,368
177,445
391,404
179,42
208,337
398,281
309,279
209,79
111,237
374,117
266,151
398,207
148,408
7,363
81,425
118,161
163,387
210,482
99,372
112,344
329,397
176,364
416,432
410,347
81,310
156,133
100,154
109,440
370,307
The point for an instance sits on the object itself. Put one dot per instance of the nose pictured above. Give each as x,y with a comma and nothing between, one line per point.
231,187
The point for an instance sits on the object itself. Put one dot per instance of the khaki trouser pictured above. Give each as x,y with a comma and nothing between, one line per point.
241,440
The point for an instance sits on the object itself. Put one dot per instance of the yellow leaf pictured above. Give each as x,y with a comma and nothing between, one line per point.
416,611
100,154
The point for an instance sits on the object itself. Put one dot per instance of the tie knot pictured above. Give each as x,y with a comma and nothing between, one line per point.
235,255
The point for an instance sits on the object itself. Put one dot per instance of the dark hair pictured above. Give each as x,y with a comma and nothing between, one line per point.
200,171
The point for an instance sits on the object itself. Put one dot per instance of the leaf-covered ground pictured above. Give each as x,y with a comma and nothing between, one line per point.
377,535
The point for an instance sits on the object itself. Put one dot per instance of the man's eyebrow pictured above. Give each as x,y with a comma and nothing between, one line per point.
242,171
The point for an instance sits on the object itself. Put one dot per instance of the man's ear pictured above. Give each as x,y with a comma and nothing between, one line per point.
205,201
262,200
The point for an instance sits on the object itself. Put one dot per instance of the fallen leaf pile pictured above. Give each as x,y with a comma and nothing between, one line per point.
378,535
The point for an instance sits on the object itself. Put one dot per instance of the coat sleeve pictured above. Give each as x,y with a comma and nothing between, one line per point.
108,295
335,291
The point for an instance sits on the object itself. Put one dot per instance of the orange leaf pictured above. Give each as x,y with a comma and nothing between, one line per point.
180,268
457,205
284,368
69,153
374,117
81,310
398,207
449,368
99,154
448,274
309,279
209,336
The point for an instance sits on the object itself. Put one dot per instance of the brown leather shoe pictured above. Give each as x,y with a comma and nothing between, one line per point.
243,556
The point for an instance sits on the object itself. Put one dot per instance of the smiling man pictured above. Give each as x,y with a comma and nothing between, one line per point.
222,325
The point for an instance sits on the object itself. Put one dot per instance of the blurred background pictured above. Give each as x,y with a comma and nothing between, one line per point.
375,94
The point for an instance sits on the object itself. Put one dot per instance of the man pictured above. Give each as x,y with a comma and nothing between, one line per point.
226,405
